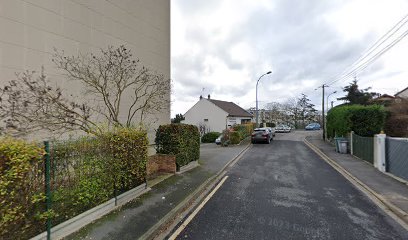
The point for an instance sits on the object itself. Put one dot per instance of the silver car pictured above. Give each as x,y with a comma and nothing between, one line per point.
282,128
272,130
261,135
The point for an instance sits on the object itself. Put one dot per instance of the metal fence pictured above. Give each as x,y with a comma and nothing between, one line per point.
78,175
363,148
396,156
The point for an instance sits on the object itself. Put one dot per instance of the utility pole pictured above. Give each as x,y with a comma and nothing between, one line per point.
323,116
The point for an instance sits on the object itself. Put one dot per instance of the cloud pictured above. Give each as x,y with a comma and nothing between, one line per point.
228,44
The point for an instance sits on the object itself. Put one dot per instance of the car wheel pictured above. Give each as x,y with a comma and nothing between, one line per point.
253,142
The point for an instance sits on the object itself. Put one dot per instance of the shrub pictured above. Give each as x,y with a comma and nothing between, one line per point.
182,140
235,137
21,191
245,130
90,171
270,124
396,124
210,137
363,120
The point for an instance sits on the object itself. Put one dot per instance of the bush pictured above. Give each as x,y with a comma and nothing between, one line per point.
21,190
397,119
363,120
235,137
181,140
90,171
210,137
245,130
270,124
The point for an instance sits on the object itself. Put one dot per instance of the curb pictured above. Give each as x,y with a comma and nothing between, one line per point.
398,214
161,229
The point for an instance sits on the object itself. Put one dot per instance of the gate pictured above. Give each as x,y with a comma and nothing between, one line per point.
396,156
363,148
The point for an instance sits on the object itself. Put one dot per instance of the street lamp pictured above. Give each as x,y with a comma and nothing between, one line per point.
327,100
257,96
327,109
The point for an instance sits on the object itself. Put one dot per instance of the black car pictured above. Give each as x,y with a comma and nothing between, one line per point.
261,135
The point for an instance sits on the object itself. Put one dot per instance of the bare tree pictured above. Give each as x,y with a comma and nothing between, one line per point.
31,103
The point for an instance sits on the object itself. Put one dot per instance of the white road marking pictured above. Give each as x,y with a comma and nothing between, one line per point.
190,218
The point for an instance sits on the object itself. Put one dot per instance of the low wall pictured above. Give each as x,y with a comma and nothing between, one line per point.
160,163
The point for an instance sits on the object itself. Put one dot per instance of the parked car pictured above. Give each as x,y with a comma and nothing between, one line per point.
218,140
261,135
281,128
313,126
272,130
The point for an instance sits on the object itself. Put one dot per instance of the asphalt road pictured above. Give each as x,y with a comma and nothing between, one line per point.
283,190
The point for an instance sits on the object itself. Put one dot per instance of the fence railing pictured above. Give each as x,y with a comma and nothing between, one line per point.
363,147
79,175
396,156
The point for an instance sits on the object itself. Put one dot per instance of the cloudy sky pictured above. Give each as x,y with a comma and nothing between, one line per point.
222,47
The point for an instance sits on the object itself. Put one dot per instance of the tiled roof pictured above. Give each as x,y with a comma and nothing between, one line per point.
231,108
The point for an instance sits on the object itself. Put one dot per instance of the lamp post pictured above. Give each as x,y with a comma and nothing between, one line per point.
327,109
257,124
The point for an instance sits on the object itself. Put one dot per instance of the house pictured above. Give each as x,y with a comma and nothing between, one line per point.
383,99
402,94
215,115
31,31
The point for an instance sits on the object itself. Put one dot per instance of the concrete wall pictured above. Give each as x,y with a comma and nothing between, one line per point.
31,29
205,109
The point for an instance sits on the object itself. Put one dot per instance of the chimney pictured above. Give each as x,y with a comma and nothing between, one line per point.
208,96
201,97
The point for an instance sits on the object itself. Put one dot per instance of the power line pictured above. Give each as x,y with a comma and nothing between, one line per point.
365,64
359,65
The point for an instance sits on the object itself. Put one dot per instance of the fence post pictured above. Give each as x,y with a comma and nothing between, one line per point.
351,143
47,186
379,152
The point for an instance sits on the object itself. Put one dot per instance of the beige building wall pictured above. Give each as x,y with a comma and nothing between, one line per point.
31,29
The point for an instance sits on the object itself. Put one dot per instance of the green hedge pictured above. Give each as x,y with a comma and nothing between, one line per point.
363,120
210,137
84,173
21,189
94,170
182,140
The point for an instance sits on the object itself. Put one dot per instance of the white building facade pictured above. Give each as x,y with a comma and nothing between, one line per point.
216,115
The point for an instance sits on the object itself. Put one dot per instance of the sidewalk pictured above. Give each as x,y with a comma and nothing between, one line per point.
391,192
143,215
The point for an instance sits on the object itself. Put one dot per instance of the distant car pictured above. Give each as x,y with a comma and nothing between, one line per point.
272,130
218,140
313,126
261,135
281,128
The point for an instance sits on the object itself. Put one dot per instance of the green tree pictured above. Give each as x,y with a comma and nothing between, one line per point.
307,112
354,95
179,117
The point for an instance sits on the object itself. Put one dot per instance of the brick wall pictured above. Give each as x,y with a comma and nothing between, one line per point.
160,163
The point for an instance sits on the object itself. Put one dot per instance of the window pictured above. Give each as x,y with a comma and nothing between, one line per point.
205,119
